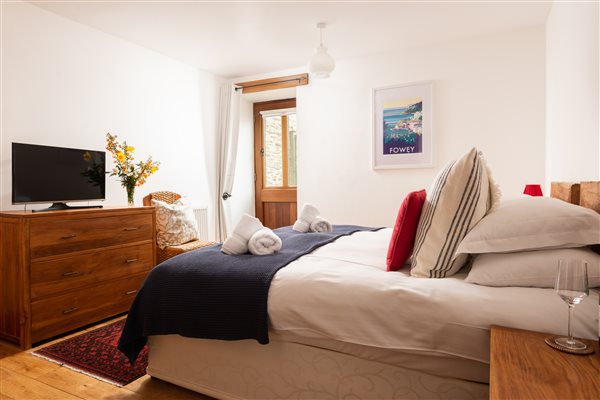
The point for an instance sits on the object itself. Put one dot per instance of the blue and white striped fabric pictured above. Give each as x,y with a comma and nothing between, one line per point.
459,198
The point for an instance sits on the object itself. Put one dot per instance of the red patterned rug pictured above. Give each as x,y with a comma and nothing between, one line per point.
95,353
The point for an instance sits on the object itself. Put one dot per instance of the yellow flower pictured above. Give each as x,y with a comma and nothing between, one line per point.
87,156
128,171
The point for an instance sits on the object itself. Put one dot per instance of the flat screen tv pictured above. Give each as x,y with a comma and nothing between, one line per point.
47,174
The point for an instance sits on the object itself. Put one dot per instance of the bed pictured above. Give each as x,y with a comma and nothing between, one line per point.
360,332
341,326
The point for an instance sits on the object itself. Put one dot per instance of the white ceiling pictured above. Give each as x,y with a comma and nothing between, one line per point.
243,38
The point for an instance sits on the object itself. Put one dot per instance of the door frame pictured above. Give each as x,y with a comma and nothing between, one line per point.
259,161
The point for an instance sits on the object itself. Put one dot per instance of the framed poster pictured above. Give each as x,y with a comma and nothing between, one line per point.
402,134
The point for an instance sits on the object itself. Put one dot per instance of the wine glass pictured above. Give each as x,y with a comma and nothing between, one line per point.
572,286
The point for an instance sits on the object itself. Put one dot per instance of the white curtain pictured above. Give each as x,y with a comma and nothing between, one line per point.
227,141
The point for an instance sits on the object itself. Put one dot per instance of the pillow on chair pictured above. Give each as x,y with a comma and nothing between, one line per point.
175,223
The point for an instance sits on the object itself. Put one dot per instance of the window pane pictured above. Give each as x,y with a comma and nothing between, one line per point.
292,150
273,159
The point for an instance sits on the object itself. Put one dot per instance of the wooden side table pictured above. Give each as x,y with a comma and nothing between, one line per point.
523,366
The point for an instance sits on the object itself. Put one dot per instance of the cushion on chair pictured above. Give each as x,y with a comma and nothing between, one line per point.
175,224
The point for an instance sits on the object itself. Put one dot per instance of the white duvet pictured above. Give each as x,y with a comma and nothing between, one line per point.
342,291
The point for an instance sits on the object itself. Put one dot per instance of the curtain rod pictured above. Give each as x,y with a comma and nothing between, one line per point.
270,83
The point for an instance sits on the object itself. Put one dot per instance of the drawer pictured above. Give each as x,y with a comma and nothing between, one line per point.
52,236
68,311
56,275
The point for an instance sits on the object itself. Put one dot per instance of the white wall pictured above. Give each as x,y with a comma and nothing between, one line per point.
488,92
573,134
65,84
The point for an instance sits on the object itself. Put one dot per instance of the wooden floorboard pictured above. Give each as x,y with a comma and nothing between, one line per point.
25,376
7,349
20,386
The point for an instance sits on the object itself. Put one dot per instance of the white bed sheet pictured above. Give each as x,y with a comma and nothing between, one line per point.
342,292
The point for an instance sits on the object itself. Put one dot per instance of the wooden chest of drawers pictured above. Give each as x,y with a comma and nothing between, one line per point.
61,270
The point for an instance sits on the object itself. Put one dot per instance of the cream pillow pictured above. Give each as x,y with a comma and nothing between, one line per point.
460,196
175,223
529,268
532,223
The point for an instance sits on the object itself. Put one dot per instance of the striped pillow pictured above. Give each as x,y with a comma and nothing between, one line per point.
459,198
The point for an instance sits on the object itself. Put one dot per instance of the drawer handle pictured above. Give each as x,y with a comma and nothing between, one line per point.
71,273
71,236
131,292
131,229
70,310
131,260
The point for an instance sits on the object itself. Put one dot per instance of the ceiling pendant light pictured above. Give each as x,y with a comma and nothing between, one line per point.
321,64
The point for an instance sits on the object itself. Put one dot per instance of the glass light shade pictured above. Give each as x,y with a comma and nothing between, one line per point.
321,64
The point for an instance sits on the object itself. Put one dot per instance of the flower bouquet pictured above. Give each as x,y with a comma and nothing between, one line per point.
130,174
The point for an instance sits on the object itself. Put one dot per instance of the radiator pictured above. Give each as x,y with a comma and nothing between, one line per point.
201,214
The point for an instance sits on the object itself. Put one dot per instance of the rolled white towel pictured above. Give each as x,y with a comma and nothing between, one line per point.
307,215
263,242
237,241
320,225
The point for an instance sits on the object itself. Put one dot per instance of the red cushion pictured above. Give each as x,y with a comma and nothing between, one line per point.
405,230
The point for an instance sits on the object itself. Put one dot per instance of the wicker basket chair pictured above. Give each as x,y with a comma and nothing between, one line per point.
171,251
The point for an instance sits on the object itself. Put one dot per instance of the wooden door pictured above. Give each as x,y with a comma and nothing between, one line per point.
275,162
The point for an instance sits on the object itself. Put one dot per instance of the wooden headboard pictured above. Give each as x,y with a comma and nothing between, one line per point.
585,194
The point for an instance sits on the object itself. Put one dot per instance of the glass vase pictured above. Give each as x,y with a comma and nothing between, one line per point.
130,194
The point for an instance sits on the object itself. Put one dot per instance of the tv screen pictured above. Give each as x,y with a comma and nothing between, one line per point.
46,174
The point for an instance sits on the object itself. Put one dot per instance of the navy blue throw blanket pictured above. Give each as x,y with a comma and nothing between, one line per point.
207,294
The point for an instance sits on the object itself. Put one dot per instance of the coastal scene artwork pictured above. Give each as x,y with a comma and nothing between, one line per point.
402,133
403,126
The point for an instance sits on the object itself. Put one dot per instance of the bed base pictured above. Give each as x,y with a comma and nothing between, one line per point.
284,370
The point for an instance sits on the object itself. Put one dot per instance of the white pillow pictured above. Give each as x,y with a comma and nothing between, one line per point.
175,223
459,197
529,268
532,223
